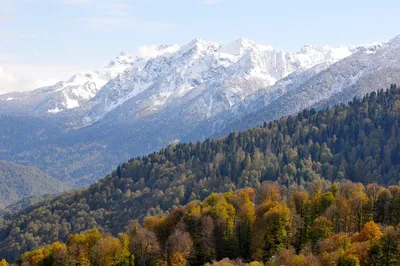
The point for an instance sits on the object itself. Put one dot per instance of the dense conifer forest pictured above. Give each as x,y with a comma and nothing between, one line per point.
302,154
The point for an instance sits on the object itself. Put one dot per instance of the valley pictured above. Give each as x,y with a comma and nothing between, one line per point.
138,104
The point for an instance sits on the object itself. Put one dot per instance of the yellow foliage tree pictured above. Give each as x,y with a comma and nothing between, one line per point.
255,263
3,262
271,230
224,214
269,191
361,250
370,231
178,259
79,246
105,250
57,253
36,257
151,222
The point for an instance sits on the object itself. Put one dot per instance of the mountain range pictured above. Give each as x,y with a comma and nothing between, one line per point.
78,130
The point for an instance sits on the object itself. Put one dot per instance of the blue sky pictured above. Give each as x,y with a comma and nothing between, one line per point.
45,40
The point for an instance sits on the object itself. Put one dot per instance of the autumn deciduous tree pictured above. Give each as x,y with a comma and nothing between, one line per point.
110,251
145,247
370,231
320,203
243,202
361,250
271,231
256,263
179,247
372,193
223,214
227,262
389,247
55,254
302,204
349,260
321,228
338,242
361,209
205,242
80,246
289,257
269,191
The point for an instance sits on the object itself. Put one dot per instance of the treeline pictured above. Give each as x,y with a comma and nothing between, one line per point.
320,224
359,141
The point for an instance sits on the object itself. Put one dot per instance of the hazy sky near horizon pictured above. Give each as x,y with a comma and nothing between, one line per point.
42,41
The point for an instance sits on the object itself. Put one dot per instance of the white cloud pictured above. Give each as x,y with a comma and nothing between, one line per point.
6,80
25,77
156,50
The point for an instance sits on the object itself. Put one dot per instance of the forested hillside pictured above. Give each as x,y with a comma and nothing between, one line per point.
341,224
358,141
25,202
17,182
47,145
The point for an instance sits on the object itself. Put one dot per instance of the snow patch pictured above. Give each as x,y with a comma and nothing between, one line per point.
54,110
71,103
157,50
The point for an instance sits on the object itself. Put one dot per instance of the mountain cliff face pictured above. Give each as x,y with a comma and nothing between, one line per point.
137,104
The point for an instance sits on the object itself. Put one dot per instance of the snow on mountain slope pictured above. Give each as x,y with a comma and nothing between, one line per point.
371,68
69,94
161,74
227,73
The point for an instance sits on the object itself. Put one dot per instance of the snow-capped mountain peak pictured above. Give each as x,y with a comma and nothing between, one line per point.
198,48
75,91
224,75
162,75
122,59
240,46
84,86
395,40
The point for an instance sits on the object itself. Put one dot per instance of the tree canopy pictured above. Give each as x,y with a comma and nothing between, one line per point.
359,141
